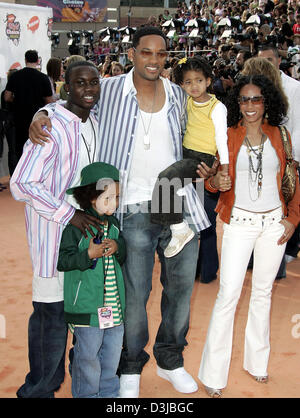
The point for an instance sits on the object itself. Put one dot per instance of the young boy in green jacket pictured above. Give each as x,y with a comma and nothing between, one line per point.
94,296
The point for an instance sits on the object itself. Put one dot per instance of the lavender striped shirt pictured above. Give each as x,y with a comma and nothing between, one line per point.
41,179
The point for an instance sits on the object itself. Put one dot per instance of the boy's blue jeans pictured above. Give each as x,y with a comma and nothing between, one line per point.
96,359
143,239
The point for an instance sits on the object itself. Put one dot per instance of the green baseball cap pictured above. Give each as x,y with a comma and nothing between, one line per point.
94,172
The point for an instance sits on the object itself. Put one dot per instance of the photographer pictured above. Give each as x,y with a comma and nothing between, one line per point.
241,58
286,67
224,53
223,79
263,32
249,40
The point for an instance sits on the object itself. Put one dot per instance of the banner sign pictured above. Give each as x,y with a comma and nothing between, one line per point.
24,27
77,10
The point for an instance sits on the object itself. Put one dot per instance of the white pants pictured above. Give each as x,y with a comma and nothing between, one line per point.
246,232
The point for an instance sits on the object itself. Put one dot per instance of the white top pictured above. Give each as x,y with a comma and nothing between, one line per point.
148,163
291,88
245,192
219,118
52,289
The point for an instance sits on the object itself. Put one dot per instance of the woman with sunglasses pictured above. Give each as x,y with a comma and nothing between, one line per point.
256,218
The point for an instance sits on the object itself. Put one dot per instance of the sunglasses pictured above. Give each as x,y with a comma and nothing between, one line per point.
253,99
149,54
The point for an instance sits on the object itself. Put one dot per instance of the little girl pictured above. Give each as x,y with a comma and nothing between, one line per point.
94,295
206,133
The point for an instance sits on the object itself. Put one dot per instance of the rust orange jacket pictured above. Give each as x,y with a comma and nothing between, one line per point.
236,137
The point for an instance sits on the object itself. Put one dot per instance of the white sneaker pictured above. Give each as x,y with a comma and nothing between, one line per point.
178,241
180,379
129,385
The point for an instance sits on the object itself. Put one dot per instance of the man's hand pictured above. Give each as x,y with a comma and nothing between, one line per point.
205,172
37,134
227,82
83,221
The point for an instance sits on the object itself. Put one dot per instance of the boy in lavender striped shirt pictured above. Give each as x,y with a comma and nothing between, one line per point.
41,179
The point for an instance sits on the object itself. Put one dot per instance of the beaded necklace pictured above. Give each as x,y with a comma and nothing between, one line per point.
255,174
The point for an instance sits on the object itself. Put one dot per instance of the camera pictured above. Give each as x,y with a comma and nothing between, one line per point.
293,51
238,37
97,240
275,39
226,71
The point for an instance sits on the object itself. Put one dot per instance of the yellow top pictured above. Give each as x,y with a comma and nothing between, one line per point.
200,129
58,86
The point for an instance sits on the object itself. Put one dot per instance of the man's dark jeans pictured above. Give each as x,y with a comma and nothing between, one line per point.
208,259
47,338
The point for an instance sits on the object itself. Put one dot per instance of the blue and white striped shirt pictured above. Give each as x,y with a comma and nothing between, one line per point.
118,115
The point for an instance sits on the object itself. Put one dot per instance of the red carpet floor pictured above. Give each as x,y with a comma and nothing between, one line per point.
15,309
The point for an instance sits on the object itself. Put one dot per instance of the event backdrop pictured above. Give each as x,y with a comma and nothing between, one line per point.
23,27
77,10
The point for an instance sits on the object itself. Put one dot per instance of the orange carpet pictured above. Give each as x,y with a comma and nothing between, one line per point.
15,309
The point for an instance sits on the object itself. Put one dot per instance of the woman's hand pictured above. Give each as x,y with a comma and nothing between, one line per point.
288,232
221,181
37,135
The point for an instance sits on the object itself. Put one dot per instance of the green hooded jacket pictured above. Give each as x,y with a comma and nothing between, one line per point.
83,286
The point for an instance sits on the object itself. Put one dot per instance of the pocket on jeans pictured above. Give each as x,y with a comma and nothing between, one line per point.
132,209
281,226
128,215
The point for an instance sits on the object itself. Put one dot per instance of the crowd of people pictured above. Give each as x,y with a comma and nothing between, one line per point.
220,106
235,25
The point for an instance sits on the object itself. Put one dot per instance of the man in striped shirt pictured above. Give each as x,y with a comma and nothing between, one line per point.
141,123
41,179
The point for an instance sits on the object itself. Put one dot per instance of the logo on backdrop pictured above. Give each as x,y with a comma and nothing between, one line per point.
49,24
77,10
33,24
40,63
15,66
13,29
